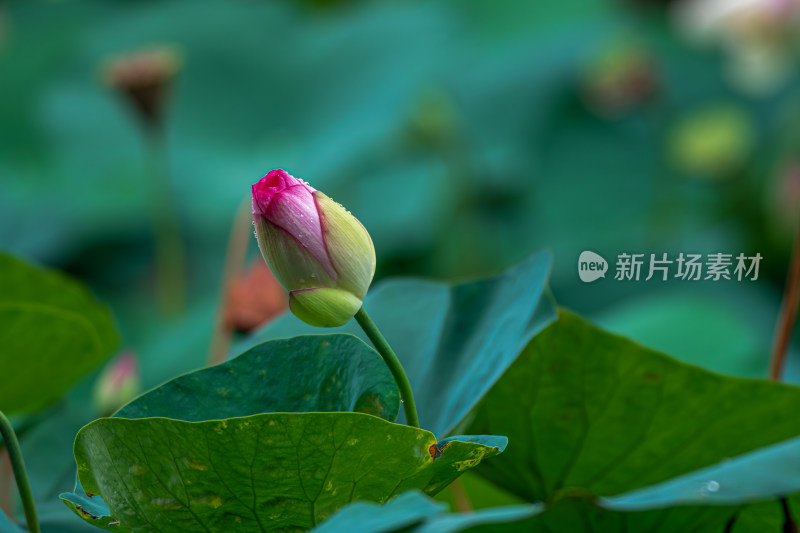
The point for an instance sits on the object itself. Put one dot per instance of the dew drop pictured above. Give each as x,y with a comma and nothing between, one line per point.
709,487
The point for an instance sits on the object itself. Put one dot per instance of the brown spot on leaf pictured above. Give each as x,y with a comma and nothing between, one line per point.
371,404
434,451
84,512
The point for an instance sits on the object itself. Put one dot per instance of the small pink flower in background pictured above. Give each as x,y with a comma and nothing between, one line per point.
118,383
783,200
315,248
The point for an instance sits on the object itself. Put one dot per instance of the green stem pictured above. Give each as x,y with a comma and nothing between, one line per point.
18,465
169,247
406,395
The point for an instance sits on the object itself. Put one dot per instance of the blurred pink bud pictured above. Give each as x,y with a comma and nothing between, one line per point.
784,200
118,384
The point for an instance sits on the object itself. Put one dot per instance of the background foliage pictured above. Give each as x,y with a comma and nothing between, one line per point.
462,134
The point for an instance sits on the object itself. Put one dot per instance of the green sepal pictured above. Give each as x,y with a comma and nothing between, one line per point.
323,307
349,246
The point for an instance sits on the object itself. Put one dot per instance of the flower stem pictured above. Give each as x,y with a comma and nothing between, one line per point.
783,338
403,385
24,487
169,247
6,480
235,257
788,313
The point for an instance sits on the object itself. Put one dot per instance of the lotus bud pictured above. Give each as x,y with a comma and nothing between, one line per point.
314,247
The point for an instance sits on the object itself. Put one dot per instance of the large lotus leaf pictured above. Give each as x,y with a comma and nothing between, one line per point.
741,491
301,374
413,511
761,474
91,508
587,409
707,499
313,373
582,513
52,332
54,517
402,511
766,516
266,472
490,519
704,500
454,341
579,514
